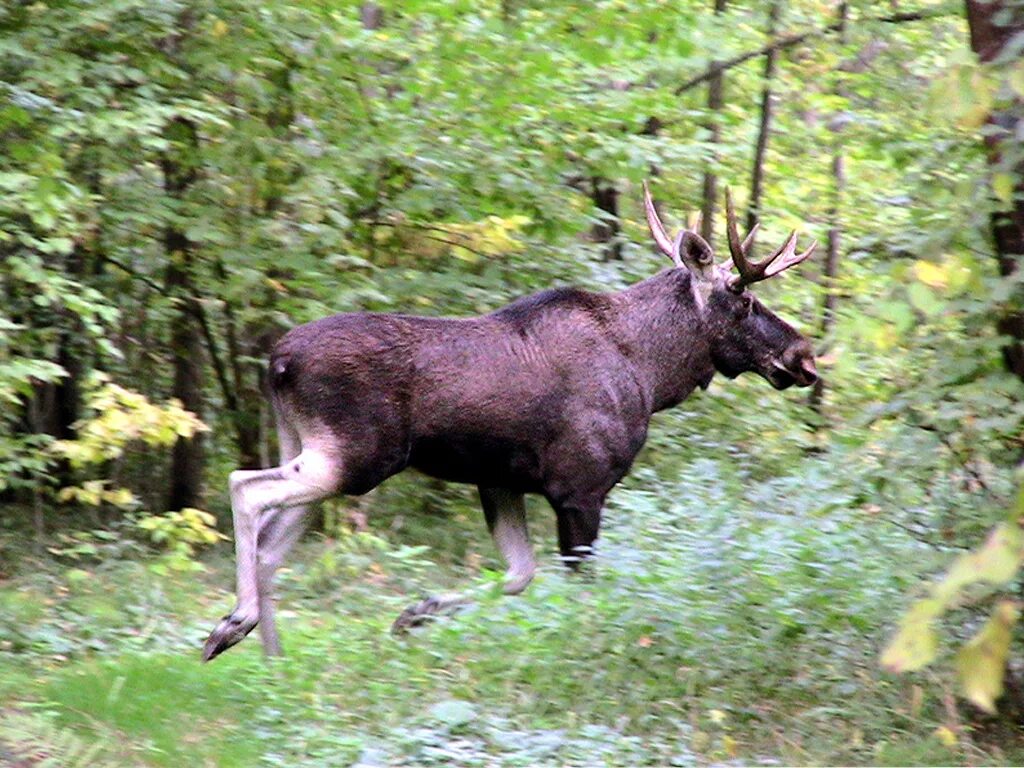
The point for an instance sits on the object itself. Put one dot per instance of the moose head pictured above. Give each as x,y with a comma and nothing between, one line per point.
745,335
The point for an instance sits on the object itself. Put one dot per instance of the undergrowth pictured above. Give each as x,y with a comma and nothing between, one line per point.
730,618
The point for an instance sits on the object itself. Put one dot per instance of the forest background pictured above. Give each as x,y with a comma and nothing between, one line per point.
832,578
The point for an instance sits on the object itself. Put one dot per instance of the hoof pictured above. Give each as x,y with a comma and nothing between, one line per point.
232,630
426,610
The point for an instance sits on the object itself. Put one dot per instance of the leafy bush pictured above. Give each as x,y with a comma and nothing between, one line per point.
181,533
976,578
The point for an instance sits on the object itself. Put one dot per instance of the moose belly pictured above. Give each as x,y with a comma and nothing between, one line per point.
488,460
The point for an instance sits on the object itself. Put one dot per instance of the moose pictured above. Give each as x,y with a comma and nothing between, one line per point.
551,394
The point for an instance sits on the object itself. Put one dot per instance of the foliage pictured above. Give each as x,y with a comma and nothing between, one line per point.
443,160
181,533
33,740
723,621
119,416
981,662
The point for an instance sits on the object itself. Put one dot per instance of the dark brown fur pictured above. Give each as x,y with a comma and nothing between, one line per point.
551,394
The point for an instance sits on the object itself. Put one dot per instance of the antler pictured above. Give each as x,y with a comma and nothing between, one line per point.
658,229
689,250
783,258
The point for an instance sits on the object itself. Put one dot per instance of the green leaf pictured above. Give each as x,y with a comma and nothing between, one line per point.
924,299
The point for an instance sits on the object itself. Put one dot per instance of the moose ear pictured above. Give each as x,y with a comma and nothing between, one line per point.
696,254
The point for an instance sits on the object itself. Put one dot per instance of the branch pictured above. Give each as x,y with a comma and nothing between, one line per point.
132,272
429,228
788,41
199,314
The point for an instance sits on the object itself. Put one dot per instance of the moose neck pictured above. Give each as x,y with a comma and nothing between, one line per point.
667,337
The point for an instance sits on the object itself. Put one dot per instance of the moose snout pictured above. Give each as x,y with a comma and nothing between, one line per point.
796,367
807,373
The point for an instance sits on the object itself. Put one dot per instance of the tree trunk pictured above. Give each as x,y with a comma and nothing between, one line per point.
764,129
371,15
179,170
605,195
992,27
835,230
715,102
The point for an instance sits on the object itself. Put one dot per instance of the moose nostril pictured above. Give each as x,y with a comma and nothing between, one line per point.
809,371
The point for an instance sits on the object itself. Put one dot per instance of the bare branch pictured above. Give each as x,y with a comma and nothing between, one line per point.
788,41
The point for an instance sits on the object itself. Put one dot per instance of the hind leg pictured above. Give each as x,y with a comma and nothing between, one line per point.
257,497
278,533
274,542
505,512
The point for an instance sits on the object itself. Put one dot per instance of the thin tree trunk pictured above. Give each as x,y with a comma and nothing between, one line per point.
371,15
764,129
715,102
835,230
179,171
605,195
242,391
993,25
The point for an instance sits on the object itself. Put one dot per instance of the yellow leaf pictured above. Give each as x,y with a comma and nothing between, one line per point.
122,497
945,735
729,745
981,664
915,643
220,28
931,274
995,563
1002,185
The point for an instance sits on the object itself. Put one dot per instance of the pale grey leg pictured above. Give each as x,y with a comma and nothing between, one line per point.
275,540
505,512
506,518
278,533
313,475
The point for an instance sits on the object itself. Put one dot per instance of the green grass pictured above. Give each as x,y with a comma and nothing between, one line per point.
722,623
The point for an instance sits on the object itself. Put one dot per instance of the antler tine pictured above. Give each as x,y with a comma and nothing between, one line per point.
656,227
783,258
792,258
749,272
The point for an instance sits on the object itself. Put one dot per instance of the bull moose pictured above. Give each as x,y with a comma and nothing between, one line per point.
551,394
